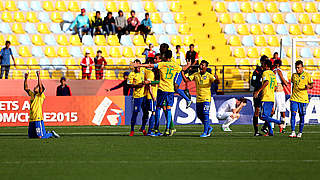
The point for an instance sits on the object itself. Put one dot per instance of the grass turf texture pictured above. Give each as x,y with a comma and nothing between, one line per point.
108,153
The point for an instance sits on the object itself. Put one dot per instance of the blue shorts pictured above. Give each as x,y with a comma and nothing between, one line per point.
202,109
150,105
138,103
163,96
298,107
178,78
37,130
266,109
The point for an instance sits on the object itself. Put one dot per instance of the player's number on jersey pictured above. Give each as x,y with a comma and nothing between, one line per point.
169,74
272,82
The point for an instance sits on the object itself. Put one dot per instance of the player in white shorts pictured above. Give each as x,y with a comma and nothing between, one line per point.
230,111
280,96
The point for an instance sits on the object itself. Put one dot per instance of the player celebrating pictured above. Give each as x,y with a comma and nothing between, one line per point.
230,111
269,83
135,80
280,96
301,81
203,81
36,126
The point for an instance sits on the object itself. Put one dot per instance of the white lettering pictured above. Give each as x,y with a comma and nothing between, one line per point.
26,106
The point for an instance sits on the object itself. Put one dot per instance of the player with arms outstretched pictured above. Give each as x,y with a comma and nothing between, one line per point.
36,126
301,82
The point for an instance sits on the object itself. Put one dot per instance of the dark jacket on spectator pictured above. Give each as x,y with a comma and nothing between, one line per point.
96,22
108,22
63,91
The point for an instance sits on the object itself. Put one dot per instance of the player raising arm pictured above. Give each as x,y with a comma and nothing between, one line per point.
36,126
301,81
203,81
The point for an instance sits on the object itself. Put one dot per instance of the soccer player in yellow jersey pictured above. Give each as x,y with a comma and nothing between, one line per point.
301,81
36,126
136,81
203,81
269,82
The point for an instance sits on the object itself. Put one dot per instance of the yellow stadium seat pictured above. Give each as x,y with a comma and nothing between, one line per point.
152,39
75,40
176,40
150,7
316,53
258,7
272,7
273,41
297,7
71,64
115,52
268,29
100,40
307,29
32,17
285,66
238,18
92,53
61,6
113,40
50,51
239,53
304,19
20,63
48,6
188,40
266,51
128,52
315,18
310,7
6,17
175,7
180,18
111,6
139,52
37,40
62,40
316,75
19,16
243,29
1,40
56,17
56,74
235,41
309,64
110,75
13,39
122,64
138,40
74,6
33,63
289,52
124,6
63,52
155,18
260,41
255,29
1,7
277,19
43,28
184,29
104,51
17,75
252,52
24,51
246,7
71,75
244,62
11,6
17,28
294,29
225,18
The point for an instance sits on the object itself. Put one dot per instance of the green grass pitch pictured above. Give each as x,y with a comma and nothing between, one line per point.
109,153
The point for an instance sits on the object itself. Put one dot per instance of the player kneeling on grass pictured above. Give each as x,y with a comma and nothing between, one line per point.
269,83
36,126
230,111
203,81
301,81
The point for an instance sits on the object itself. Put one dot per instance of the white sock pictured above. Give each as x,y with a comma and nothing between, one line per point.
229,121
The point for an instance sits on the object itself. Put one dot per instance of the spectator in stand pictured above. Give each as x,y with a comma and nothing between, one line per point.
63,89
149,52
127,91
192,56
83,23
179,57
133,22
109,24
157,58
145,27
121,24
99,62
275,57
96,24
5,54
86,64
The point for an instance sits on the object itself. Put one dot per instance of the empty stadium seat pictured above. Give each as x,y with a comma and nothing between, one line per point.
284,7
111,6
252,52
180,18
43,28
103,50
137,6
184,29
37,40
310,65
176,40
44,17
37,51
86,5
316,53
315,18
124,6
238,18
45,64
229,29
155,18
55,28
310,7
157,29
268,29
239,53
176,7
58,65
234,41
171,29
24,51
255,29
273,41
63,52
233,7
246,7
251,18
266,51
6,17
127,52
19,16
304,19
56,17
138,40
48,6
225,18
35,6
50,40
297,7
113,40
307,29
167,18
75,51
164,39
277,19
24,40
73,6
306,53
11,6
17,75
243,29
114,52
33,63
126,40
100,40
244,62
75,40
260,41
23,6
247,41
162,6
151,39
17,28
291,18
272,7
32,17
282,30
220,7
150,7
20,63
98,6
50,51
13,39
67,17
62,40
317,29
87,40
71,64
294,29
188,40
258,7
61,6
265,18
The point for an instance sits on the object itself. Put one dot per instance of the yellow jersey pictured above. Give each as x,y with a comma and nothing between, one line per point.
149,76
168,70
36,102
203,85
135,79
299,83
268,91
